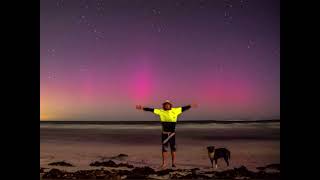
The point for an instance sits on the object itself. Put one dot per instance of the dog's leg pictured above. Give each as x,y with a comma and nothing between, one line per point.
211,163
216,163
226,159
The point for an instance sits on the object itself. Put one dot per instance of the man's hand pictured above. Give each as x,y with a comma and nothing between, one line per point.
194,105
139,107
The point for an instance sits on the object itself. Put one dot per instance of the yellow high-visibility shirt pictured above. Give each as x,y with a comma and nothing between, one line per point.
169,115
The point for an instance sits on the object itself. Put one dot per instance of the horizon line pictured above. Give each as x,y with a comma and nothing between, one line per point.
145,121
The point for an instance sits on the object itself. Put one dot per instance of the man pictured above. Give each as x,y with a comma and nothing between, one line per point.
168,116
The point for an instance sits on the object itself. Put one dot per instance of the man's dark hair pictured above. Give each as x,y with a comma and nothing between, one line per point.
163,104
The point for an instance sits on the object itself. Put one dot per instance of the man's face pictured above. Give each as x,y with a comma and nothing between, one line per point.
166,106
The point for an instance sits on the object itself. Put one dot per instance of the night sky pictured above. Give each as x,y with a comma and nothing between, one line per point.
99,58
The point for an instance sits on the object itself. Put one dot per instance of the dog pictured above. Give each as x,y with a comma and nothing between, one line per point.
215,154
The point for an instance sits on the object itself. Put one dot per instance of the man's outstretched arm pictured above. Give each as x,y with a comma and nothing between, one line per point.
148,109
184,108
139,107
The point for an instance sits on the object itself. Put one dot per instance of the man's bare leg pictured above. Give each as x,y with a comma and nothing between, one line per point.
173,156
164,156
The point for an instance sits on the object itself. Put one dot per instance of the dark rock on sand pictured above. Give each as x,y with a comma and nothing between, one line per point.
110,163
42,170
265,175
195,169
192,175
89,174
136,176
164,172
143,170
104,163
120,156
140,173
113,177
273,166
121,172
242,172
82,174
125,165
53,174
60,163
261,168
270,166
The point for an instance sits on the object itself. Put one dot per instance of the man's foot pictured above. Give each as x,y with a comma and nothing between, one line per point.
163,166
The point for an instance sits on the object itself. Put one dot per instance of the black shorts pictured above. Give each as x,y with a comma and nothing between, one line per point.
171,142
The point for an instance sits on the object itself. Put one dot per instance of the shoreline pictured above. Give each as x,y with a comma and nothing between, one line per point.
157,122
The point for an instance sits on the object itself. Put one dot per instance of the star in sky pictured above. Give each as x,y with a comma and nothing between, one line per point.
51,75
51,52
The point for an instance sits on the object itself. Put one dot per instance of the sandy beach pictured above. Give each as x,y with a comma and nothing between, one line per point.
251,145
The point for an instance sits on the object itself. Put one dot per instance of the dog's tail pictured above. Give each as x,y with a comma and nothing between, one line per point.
229,154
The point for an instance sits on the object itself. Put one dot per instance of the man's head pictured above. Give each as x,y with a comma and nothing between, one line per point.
167,105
